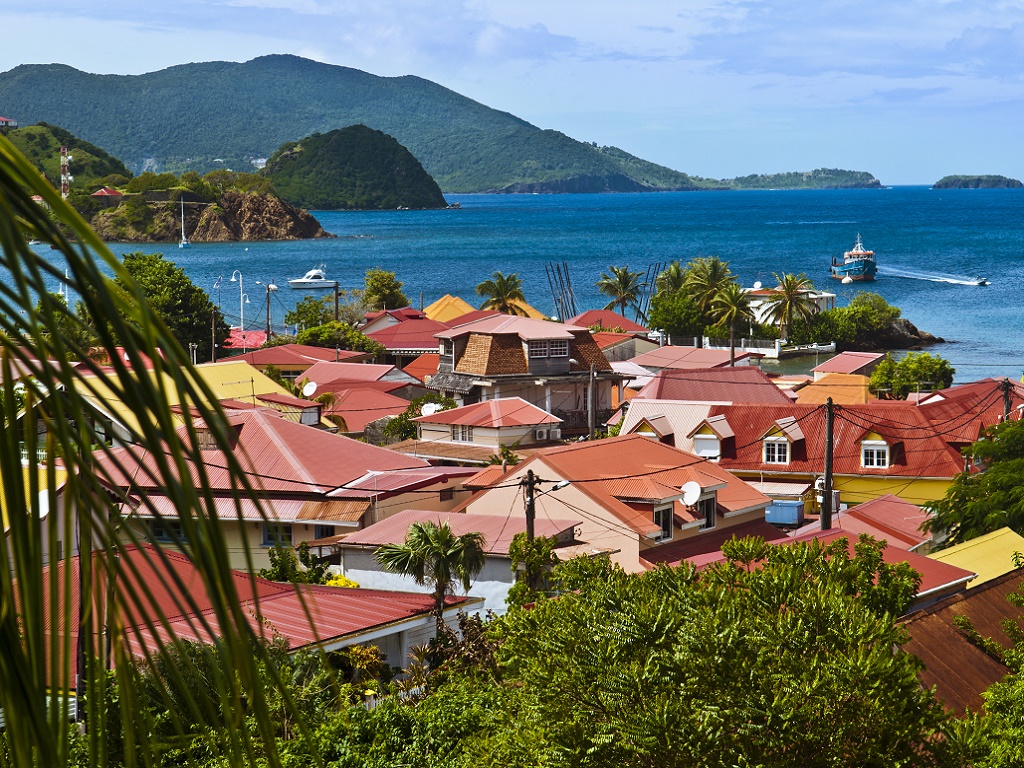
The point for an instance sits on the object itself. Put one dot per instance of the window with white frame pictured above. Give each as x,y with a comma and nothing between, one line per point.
462,433
663,517
538,349
277,533
776,450
706,510
707,447
558,348
874,453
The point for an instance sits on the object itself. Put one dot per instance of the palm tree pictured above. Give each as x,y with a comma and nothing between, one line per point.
433,554
671,279
791,299
46,398
730,306
502,293
705,277
624,287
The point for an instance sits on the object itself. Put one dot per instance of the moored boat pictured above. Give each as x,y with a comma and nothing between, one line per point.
858,264
315,278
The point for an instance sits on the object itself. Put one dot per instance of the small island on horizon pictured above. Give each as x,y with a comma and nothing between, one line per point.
987,181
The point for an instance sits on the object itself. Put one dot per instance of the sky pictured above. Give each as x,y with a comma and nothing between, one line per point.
909,90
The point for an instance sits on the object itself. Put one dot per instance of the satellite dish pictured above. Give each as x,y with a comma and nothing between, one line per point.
757,286
429,409
691,492
309,389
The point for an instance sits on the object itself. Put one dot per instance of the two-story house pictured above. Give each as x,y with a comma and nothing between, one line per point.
555,366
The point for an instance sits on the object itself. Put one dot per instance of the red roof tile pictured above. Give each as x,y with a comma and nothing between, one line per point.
745,384
361,405
502,412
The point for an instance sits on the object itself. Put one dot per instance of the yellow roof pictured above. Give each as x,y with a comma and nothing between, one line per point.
843,388
235,380
989,556
530,311
447,308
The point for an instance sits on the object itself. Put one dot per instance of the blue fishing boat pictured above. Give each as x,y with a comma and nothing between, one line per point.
858,264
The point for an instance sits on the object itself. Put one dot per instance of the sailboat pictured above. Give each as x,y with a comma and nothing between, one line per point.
184,240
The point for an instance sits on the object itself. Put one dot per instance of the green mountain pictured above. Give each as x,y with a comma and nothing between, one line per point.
228,115
352,168
976,182
90,165
821,178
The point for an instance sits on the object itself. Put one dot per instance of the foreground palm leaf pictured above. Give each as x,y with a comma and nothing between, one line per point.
55,503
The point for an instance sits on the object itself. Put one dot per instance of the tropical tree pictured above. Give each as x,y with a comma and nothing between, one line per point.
624,287
432,554
792,299
916,372
382,290
502,292
705,277
672,279
40,587
730,306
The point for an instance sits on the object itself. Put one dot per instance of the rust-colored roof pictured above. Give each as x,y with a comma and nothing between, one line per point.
280,456
326,373
423,366
606,318
497,531
103,191
707,543
686,358
957,669
437,450
607,339
743,384
498,413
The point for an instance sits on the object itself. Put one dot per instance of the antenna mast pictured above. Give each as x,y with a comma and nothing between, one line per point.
65,173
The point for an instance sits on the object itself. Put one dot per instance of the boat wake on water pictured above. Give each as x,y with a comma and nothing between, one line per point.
933,277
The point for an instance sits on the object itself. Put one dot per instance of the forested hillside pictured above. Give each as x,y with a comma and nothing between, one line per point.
354,168
228,115
91,165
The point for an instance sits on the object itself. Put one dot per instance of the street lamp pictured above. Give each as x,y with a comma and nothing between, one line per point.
243,299
270,287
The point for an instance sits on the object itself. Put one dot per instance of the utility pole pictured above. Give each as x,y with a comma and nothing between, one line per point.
1005,386
826,498
591,405
335,301
213,335
530,484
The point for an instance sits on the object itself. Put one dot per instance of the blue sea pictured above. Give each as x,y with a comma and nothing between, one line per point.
928,244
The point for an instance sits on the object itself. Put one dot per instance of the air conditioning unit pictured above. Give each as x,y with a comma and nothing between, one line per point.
540,434
555,433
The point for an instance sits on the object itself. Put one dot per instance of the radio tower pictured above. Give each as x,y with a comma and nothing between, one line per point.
65,172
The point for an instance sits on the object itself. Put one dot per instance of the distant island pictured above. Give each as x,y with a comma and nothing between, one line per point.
976,182
245,111
354,168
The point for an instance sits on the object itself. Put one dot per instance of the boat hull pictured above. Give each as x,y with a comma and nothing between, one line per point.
300,283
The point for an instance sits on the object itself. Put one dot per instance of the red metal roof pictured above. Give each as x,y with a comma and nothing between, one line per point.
103,191
389,483
295,354
606,318
327,373
501,412
472,317
279,455
419,334
686,358
707,543
402,314
745,384
249,339
849,362
888,518
497,531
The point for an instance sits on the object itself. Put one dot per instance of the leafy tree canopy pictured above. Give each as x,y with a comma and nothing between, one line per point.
297,567
382,290
402,427
916,372
676,314
339,335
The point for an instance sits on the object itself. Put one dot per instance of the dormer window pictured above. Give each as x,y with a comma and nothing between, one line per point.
707,508
874,454
538,349
707,447
558,348
776,450
663,517
462,433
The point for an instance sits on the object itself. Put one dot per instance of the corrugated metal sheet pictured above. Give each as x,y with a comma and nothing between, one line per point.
989,556
281,510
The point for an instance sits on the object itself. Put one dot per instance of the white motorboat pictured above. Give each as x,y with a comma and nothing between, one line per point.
315,278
